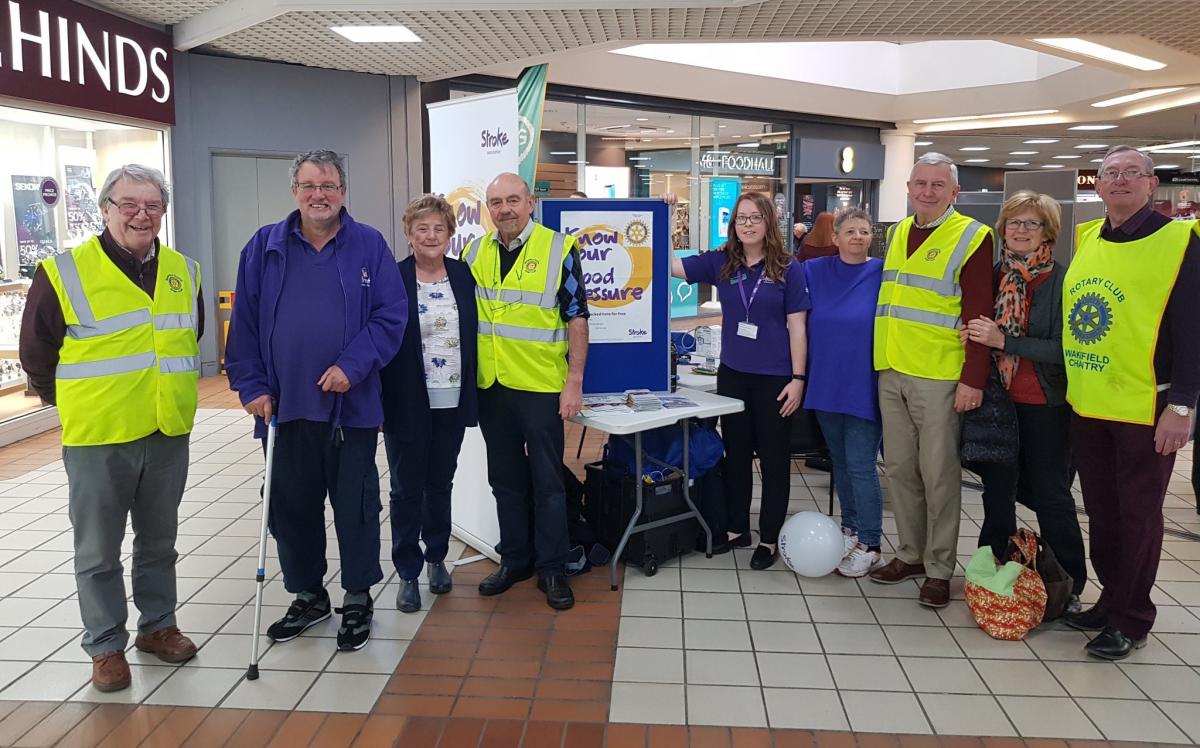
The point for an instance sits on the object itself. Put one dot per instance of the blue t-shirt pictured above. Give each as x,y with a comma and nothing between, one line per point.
310,329
771,352
841,336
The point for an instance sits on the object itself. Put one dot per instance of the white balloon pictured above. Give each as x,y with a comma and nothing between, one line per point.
811,544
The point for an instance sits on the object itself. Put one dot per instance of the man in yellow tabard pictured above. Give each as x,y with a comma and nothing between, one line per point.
533,336
1131,318
936,275
110,336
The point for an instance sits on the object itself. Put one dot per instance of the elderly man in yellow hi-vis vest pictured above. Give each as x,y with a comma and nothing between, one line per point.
937,274
1131,339
533,337
110,336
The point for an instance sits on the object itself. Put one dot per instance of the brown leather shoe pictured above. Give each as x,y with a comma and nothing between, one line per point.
935,593
167,644
110,671
896,572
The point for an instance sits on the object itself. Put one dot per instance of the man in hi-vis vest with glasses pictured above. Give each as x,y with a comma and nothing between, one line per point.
533,337
110,336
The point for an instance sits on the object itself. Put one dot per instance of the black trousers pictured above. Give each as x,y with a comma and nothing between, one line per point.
309,465
1041,480
422,468
524,437
759,429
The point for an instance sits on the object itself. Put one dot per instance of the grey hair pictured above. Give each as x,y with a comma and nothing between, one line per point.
936,159
135,173
851,214
1128,149
320,158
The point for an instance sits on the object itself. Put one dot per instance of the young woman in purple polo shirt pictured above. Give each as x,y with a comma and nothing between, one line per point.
764,302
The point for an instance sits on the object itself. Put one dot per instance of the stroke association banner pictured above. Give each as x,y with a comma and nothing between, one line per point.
617,250
471,140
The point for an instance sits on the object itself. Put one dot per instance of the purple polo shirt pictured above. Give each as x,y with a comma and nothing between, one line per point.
771,352
309,331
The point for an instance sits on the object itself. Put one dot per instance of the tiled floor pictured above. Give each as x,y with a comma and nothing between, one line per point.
706,651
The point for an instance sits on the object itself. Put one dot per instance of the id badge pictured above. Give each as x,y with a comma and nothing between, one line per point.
747,330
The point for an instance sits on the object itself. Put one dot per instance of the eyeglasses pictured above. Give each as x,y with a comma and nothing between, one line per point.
131,209
328,188
751,220
1110,175
1031,225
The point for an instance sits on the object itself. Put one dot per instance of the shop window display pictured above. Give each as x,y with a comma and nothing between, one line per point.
53,166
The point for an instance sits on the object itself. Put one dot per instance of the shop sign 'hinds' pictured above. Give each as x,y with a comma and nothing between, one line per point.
60,52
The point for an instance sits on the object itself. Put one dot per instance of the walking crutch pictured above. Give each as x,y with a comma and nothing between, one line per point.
260,577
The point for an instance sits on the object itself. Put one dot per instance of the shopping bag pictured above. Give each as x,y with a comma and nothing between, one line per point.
1009,600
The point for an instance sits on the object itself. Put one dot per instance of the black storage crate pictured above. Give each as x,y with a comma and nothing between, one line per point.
609,495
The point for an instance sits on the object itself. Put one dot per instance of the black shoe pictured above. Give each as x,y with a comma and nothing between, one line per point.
439,578
308,609
408,599
739,541
558,592
764,557
1113,645
503,578
1092,619
356,611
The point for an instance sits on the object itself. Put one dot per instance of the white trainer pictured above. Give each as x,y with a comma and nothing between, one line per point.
849,542
860,562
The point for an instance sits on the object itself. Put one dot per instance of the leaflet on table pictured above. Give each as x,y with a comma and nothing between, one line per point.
616,247
594,405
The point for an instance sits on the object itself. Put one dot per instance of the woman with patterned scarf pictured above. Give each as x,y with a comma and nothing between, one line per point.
1027,338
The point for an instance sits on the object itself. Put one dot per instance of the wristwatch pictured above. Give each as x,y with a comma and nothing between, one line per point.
800,377
1180,410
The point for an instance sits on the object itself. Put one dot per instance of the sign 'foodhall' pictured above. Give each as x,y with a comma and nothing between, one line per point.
60,52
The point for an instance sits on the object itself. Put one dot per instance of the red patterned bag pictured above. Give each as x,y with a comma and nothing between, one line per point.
1010,600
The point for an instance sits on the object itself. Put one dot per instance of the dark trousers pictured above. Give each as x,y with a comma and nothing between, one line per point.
1041,480
422,474
309,465
759,429
1124,482
524,437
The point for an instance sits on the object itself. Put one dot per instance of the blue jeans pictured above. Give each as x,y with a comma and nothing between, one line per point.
853,445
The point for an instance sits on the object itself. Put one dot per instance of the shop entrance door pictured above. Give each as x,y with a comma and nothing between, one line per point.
249,191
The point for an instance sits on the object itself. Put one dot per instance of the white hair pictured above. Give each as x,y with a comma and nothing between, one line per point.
936,159
134,173
1116,149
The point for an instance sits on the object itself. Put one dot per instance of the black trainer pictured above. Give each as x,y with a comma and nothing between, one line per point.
356,612
308,609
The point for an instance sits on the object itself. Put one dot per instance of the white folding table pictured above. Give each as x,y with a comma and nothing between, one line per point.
707,405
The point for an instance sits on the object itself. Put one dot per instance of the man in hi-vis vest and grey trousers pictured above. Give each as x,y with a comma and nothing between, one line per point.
110,336
937,274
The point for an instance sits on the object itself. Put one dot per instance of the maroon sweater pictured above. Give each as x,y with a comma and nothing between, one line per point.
977,301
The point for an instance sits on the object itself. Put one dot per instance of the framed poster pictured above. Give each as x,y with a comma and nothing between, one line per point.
37,237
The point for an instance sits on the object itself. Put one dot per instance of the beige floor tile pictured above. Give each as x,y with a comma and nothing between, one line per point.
273,690
1058,644
709,634
805,709
853,639
777,636
942,675
718,605
709,580
648,703
666,579
963,714
771,582
894,611
828,609
49,681
787,670
35,644
1018,678
1185,646
379,656
1102,680
146,678
868,673
343,692
721,668
664,633
725,705
1185,715
1139,720
649,603
1042,717
1178,683
873,711
196,686
978,645
785,608
922,641
648,665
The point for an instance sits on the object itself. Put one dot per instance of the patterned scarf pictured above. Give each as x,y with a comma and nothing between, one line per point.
1012,302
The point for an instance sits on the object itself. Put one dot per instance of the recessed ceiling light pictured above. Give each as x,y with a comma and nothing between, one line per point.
1070,155
722,126
1017,163
641,119
1136,96
976,160
1052,166
735,135
577,162
967,117
1093,127
747,145
1022,153
1102,52
1167,166
1091,146
562,153
922,143
1097,161
377,34
975,148
639,158
1041,141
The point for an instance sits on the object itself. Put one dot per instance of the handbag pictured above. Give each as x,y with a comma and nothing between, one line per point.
1007,601
989,432
1056,579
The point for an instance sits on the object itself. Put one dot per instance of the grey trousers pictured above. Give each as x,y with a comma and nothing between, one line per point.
107,483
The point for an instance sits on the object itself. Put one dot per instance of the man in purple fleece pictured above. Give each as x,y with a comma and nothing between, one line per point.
319,310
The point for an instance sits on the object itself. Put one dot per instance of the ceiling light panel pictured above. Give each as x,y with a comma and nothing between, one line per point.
1092,127
1017,163
975,148
394,34
1136,96
1041,141
1103,53
968,117
1022,153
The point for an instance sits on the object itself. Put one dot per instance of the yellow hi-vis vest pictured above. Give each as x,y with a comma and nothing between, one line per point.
1114,298
522,337
920,301
128,365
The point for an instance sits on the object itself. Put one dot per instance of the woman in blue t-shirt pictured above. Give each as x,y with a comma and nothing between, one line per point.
763,305
842,383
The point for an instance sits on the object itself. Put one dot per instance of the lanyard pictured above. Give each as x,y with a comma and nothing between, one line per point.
742,291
